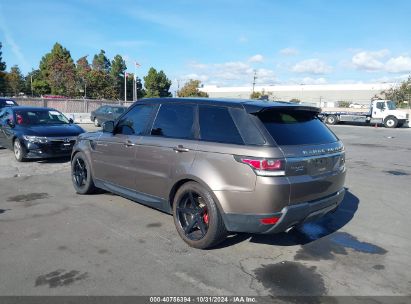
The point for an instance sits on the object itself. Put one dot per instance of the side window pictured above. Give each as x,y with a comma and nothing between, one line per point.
216,124
380,105
102,110
175,121
135,121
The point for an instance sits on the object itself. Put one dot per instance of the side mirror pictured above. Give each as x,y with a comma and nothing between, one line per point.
108,126
71,120
10,123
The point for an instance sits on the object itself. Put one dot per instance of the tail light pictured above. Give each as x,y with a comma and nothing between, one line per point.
264,166
270,220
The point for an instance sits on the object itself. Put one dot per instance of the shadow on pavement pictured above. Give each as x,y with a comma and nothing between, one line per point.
308,232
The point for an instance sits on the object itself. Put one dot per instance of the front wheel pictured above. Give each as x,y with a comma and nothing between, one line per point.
390,122
197,218
81,175
19,150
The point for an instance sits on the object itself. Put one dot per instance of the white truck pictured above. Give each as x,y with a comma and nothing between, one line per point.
381,111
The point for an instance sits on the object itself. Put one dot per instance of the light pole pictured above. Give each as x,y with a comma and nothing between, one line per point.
31,84
125,86
136,65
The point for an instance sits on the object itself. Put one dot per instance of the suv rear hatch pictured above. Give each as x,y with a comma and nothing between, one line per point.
314,156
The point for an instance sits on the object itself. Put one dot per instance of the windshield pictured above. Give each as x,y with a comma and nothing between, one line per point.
391,105
40,117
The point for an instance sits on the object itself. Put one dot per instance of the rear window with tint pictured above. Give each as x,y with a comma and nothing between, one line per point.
296,127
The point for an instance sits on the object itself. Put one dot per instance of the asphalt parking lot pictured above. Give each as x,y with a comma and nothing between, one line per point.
55,242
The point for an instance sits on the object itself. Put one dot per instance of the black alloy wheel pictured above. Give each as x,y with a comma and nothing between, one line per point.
81,174
192,216
197,217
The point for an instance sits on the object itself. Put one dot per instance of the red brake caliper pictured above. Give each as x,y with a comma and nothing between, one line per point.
205,217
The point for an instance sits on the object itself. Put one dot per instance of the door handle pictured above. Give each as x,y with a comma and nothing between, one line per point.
128,143
180,148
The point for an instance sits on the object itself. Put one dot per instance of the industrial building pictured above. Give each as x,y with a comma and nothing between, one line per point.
324,95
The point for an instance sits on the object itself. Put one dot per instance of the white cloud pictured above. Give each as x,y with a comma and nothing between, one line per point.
369,61
311,66
289,52
400,64
256,58
309,80
230,73
372,61
195,76
391,78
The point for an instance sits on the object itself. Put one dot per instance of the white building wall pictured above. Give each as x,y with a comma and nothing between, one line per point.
327,95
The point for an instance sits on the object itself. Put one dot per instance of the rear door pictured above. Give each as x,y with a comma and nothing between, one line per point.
314,155
168,151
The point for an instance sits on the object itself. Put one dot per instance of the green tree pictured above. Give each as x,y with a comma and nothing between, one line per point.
190,89
117,73
15,81
157,84
2,73
255,95
140,91
40,87
399,94
101,62
100,79
343,104
295,100
83,70
58,69
29,79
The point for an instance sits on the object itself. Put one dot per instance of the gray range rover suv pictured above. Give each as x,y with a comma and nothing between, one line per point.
218,166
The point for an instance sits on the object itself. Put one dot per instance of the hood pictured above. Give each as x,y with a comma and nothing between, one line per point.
53,130
397,113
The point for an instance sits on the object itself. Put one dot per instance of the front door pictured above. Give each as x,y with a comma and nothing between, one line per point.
114,153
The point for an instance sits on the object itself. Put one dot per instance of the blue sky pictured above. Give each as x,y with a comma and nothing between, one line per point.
221,42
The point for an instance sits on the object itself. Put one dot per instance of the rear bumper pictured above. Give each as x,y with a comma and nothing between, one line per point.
290,216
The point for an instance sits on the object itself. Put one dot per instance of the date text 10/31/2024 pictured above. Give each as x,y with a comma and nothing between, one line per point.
203,299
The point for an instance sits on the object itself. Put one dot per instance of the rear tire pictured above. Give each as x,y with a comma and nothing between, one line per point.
390,122
331,120
197,218
19,150
81,175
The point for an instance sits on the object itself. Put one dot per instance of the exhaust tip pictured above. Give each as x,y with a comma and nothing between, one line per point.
289,229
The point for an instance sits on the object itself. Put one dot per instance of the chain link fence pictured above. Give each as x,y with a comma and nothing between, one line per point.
68,105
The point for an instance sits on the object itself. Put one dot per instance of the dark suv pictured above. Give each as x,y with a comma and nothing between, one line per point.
105,113
217,165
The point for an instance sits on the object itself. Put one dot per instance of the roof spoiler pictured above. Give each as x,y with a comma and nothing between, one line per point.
258,109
